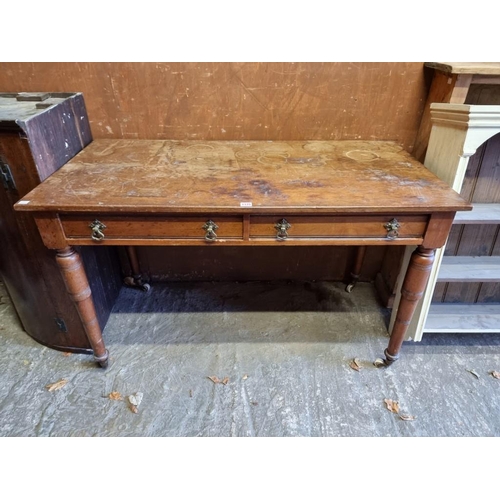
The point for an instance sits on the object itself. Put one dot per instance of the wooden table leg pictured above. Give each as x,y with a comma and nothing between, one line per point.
411,292
74,276
356,270
135,280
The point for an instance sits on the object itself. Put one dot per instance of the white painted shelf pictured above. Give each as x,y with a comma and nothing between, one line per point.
482,213
463,318
471,269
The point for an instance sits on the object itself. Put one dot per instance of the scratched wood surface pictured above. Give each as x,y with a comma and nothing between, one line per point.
243,101
113,176
238,101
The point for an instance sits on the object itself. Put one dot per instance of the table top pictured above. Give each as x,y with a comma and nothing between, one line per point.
159,176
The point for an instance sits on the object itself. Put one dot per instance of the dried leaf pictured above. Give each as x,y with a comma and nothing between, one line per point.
115,396
67,354
217,380
135,399
407,417
495,374
392,406
355,364
473,373
244,377
56,385
134,409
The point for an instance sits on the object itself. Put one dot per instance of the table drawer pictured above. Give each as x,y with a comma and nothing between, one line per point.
154,227
410,226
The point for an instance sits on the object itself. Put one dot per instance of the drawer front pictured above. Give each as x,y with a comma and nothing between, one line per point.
338,227
154,227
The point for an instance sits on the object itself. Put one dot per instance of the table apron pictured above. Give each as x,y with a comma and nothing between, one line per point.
245,230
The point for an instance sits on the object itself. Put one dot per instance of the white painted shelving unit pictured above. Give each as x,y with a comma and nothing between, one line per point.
457,131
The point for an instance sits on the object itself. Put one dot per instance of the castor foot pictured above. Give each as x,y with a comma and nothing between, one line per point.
136,282
102,361
389,359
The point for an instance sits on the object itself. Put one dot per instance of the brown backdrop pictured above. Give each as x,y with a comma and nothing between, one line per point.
254,101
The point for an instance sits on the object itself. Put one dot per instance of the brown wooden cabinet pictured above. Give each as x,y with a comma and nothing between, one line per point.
40,132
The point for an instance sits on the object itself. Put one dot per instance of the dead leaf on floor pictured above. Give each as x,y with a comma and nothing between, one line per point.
67,354
392,406
56,385
134,409
354,364
495,374
217,380
244,377
115,396
407,417
473,373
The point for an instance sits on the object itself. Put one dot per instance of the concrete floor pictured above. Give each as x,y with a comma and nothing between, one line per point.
285,349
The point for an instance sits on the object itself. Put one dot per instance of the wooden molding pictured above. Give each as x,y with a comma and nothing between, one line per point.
480,122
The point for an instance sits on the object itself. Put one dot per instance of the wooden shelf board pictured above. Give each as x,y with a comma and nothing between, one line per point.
482,213
471,269
466,68
463,318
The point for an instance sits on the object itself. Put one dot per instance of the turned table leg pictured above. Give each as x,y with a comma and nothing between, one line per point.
356,270
74,276
135,280
411,292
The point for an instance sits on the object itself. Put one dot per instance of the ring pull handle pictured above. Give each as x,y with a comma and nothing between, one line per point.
392,229
282,226
210,227
97,228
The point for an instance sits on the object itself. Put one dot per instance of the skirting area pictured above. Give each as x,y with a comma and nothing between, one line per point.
279,356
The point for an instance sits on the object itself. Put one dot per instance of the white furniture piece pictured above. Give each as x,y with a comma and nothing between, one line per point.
457,132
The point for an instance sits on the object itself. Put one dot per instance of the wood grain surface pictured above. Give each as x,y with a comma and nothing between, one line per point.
238,101
118,176
244,101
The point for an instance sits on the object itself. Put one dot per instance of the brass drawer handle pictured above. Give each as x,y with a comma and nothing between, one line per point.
210,227
97,228
282,227
392,229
